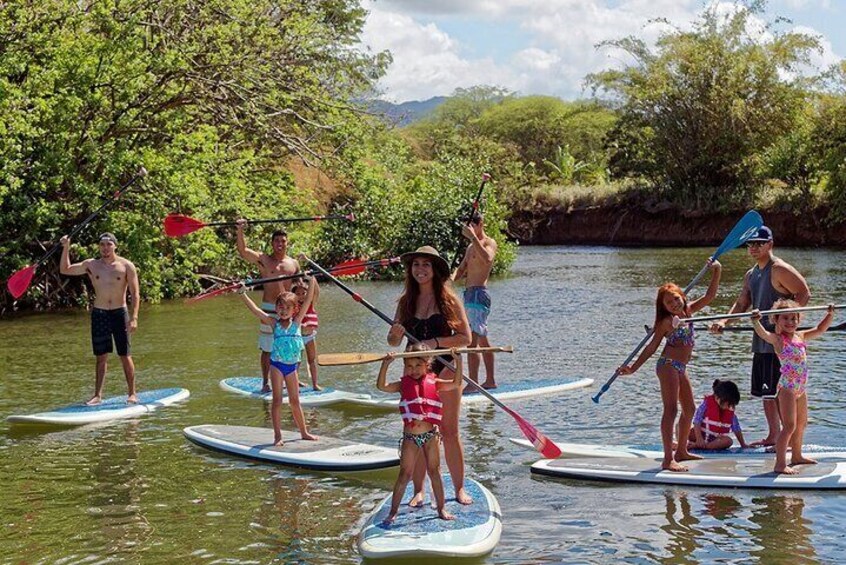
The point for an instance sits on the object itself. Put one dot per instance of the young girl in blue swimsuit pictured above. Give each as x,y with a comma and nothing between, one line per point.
285,356
672,364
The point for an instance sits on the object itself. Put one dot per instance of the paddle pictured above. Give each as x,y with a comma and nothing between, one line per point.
677,320
542,443
19,282
331,359
744,229
346,269
475,207
177,225
836,328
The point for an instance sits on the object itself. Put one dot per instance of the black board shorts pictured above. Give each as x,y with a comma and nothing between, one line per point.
766,372
108,325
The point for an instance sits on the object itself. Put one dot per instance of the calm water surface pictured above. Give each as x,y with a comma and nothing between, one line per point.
136,491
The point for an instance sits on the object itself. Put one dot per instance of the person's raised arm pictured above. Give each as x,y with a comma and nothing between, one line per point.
381,379
486,249
307,302
65,266
711,293
787,280
822,327
245,252
660,331
135,293
251,306
455,382
742,304
762,332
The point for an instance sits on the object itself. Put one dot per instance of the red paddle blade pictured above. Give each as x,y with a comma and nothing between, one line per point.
177,225
19,282
215,292
543,444
349,268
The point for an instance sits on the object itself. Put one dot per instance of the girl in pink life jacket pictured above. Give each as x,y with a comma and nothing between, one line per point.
789,346
715,418
421,409
671,367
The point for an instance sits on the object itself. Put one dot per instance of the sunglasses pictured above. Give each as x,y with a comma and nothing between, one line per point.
752,244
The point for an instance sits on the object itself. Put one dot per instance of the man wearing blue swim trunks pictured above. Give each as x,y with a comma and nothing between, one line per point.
112,276
276,264
475,268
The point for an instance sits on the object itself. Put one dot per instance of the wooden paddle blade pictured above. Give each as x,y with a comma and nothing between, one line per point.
20,281
329,359
177,225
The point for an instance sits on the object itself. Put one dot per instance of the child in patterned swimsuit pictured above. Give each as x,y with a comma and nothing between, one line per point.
789,346
420,407
672,365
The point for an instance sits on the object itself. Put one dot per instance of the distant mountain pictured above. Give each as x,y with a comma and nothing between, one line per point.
406,112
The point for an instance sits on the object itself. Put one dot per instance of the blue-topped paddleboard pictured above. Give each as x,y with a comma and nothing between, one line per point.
504,392
575,450
251,386
113,408
418,532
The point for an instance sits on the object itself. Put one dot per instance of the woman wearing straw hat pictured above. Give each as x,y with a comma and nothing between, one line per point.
430,311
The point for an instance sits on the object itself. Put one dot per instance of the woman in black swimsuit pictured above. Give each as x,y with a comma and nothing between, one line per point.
430,311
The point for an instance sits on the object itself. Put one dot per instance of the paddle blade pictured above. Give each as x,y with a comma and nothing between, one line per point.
216,292
19,282
329,359
177,225
745,228
543,444
349,268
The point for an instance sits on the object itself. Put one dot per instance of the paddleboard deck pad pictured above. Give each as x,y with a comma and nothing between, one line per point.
113,408
578,450
251,386
418,532
746,472
504,392
325,454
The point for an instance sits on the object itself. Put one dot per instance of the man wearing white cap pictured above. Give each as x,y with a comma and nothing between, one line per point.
770,279
112,276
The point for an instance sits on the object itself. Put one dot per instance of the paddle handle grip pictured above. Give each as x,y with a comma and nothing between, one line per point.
677,321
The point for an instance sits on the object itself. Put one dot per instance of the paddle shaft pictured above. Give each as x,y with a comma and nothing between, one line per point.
311,272
282,220
485,178
762,312
836,328
141,173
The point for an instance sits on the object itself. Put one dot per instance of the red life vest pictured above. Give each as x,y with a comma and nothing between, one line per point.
717,422
419,399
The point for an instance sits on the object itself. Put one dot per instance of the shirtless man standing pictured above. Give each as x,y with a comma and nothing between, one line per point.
111,276
269,266
770,279
476,269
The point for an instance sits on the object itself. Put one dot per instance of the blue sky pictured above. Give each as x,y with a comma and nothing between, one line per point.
543,46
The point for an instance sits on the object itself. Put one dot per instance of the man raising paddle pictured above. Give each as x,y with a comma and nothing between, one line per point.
476,269
111,276
278,263
769,280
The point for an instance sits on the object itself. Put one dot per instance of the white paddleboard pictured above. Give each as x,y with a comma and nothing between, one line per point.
748,472
251,386
418,532
504,392
324,454
578,450
113,408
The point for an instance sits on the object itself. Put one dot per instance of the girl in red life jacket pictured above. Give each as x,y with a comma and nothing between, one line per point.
715,418
421,409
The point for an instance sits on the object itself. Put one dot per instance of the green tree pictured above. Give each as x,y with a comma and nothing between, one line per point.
698,110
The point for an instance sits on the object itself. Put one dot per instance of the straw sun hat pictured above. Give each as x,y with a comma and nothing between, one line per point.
438,262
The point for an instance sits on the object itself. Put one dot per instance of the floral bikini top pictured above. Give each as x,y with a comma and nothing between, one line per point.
794,361
682,336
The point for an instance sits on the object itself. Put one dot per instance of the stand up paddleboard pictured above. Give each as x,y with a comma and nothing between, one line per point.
747,472
418,532
579,450
114,408
251,386
504,392
324,454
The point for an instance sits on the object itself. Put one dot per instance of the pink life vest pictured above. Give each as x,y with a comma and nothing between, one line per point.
419,399
717,422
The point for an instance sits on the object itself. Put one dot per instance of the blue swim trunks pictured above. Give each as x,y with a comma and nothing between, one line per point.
477,303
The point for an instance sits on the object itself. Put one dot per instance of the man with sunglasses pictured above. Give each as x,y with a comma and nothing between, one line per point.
770,279
475,268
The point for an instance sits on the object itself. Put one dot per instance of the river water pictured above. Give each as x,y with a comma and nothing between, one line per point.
137,491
